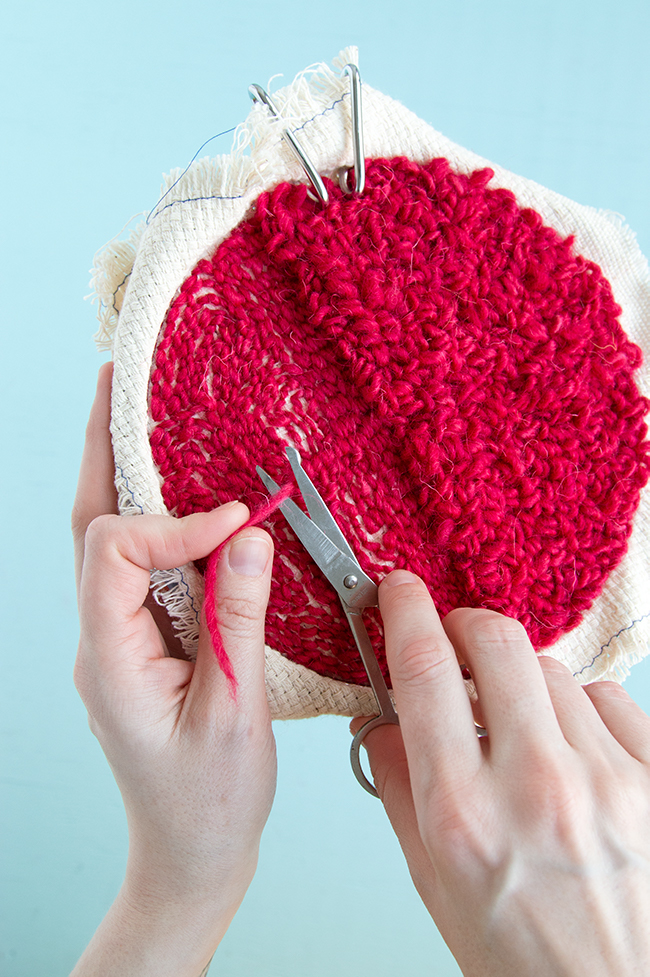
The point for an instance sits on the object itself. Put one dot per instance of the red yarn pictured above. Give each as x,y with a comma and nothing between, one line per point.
209,604
454,376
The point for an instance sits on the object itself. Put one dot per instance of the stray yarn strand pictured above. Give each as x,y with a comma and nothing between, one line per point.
210,606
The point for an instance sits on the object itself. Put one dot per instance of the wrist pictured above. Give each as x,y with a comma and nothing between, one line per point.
159,877
146,934
167,920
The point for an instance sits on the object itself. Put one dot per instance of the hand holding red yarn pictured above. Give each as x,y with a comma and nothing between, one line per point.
530,848
195,764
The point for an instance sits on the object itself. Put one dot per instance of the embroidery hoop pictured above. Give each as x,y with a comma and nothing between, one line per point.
137,279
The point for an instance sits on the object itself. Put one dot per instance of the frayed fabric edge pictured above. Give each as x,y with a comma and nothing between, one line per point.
110,276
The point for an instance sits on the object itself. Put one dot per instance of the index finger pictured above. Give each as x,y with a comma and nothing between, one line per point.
434,710
96,494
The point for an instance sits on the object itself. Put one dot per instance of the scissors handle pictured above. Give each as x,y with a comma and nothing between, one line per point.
355,758
387,715
355,747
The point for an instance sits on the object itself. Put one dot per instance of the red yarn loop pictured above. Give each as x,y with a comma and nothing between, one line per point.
454,376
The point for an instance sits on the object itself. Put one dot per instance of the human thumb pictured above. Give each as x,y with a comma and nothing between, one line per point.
231,642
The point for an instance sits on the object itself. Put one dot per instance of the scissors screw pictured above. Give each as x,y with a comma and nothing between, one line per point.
350,581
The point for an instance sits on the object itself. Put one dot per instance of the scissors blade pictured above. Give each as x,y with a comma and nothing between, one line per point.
316,508
336,565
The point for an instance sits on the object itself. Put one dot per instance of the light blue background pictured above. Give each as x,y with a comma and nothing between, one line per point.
99,100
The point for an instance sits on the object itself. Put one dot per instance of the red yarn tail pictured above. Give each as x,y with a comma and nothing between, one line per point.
210,605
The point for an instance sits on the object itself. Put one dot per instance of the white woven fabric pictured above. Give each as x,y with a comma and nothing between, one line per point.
140,277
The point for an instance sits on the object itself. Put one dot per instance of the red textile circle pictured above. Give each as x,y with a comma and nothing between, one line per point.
454,376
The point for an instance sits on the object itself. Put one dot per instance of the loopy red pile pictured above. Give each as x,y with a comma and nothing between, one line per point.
454,376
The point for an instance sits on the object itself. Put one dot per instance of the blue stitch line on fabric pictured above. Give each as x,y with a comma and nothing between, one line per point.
197,613
169,189
189,200
125,279
330,108
628,627
129,490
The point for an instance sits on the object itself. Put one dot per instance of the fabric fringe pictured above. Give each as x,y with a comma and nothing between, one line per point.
310,93
180,591
109,280
225,176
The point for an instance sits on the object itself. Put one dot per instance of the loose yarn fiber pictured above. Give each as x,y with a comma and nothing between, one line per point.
454,376
449,355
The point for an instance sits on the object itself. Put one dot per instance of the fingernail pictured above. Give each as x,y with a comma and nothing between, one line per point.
229,505
249,555
398,577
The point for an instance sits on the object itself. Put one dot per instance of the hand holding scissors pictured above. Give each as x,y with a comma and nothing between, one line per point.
330,550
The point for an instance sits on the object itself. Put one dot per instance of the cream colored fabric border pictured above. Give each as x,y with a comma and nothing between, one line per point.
201,210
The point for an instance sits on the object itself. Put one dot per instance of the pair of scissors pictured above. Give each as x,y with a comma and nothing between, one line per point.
330,550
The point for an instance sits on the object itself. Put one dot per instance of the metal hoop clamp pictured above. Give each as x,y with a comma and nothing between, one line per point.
259,94
358,154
